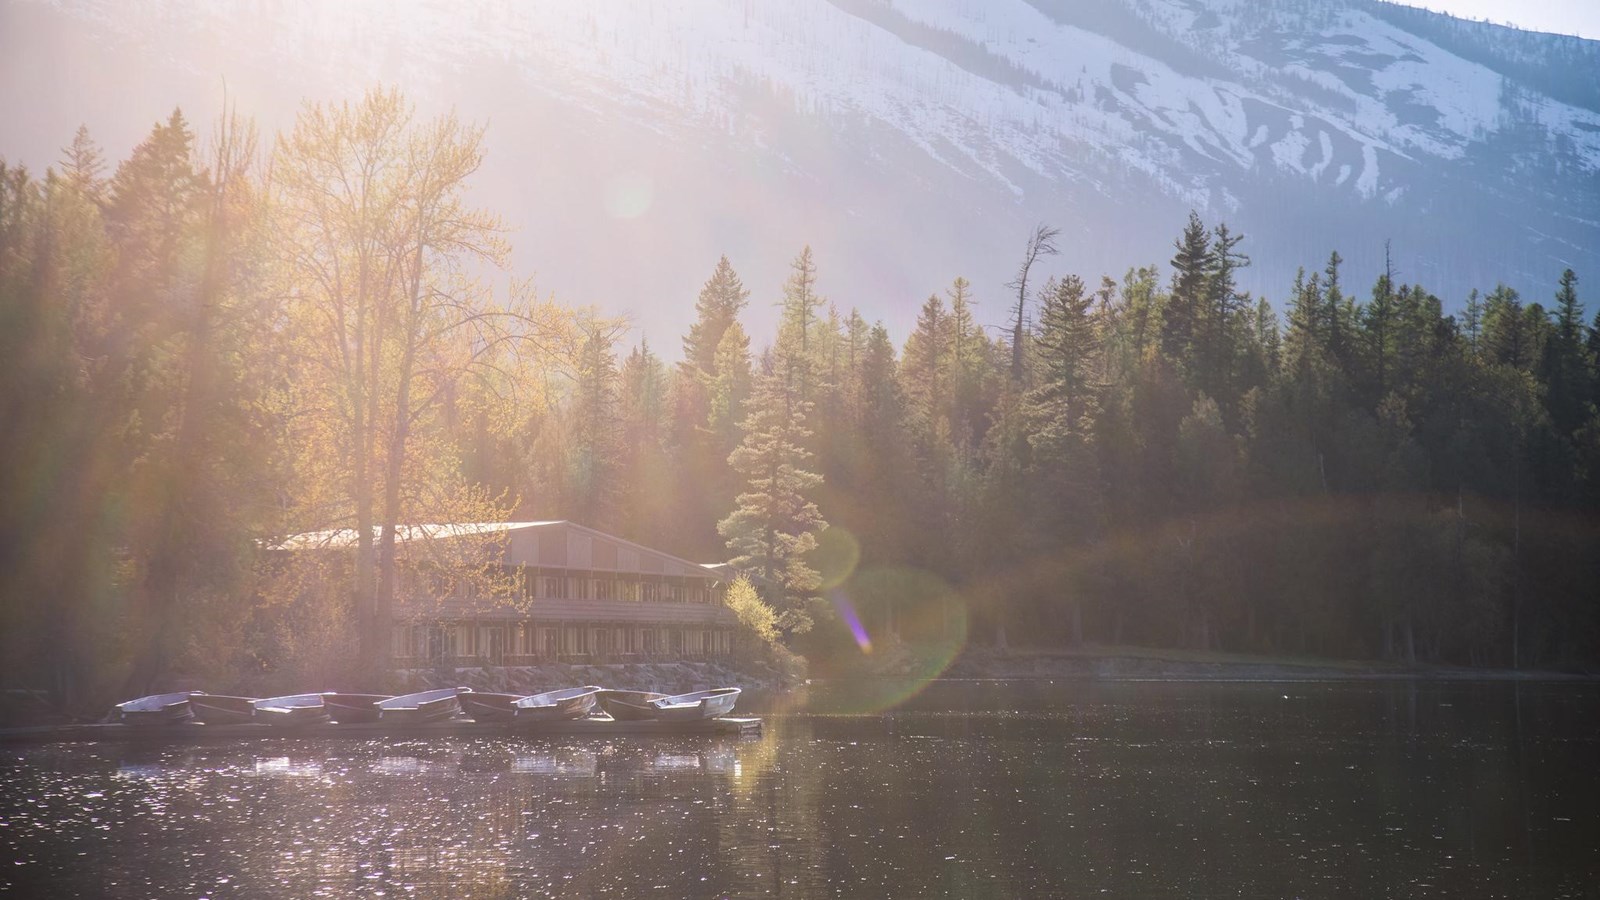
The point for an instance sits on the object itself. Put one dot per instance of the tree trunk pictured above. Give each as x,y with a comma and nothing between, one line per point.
383,601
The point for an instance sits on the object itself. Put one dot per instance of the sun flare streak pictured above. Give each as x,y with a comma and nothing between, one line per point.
847,612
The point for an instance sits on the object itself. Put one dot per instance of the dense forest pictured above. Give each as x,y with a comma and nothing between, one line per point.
216,344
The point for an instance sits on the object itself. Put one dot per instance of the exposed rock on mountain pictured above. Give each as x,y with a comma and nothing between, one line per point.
910,140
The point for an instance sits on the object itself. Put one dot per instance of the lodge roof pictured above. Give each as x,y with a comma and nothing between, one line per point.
345,538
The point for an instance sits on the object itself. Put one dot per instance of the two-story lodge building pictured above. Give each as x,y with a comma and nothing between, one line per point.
573,594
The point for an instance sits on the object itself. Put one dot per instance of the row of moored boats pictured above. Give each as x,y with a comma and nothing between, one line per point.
426,706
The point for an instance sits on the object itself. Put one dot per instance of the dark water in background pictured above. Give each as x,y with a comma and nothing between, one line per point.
970,789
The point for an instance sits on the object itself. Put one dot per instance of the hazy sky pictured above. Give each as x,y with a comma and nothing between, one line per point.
1580,17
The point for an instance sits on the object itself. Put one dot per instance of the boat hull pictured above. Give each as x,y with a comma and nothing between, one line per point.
699,705
352,709
629,706
425,706
295,709
218,709
488,707
157,709
570,703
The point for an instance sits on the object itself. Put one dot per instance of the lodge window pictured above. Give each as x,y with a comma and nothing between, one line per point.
650,591
554,587
629,590
491,642
605,589
673,591
583,586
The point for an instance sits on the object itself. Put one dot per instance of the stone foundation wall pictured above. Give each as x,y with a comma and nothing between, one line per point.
664,677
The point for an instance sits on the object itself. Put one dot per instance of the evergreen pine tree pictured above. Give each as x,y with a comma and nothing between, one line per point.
1181,317
1222,314
856,334
1507,337
1137,320
154,199
882,403
717,307
800,305
1269,340
925,368
1567,367
1338,314
596,449
1067,344
1593,344
83,166
1472,322
1065,498
797,324
1303,344
1378,327
969,371
644,472
731,388
774,524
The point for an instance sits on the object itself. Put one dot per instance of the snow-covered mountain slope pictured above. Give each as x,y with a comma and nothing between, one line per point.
914,140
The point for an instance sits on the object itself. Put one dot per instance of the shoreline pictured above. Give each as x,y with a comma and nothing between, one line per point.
1129,664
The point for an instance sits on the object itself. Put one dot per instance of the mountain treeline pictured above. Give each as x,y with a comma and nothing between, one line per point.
216,344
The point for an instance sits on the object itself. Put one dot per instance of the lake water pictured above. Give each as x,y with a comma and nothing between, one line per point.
967,789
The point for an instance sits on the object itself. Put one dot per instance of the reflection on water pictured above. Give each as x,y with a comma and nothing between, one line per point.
972,789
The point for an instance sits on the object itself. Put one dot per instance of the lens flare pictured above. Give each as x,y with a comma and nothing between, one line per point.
847,614
836,557
921,626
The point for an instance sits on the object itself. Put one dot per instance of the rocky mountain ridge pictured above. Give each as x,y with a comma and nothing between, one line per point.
914,140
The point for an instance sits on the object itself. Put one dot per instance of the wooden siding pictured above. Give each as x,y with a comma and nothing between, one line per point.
553,610
552,549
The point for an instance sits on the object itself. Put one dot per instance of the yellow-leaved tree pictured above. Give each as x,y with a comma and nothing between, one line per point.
387,326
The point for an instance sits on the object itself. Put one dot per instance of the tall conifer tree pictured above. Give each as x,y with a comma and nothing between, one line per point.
1182,315
774,523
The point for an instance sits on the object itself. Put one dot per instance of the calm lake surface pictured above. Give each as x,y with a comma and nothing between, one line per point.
967,789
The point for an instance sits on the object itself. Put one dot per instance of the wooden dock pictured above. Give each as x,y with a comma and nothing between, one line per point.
197,733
